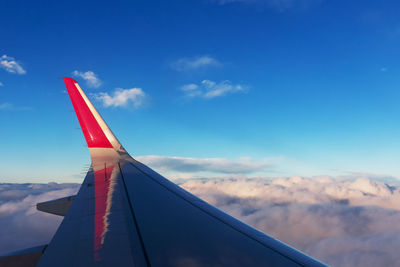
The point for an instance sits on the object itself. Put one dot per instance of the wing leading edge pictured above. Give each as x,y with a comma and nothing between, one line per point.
126,214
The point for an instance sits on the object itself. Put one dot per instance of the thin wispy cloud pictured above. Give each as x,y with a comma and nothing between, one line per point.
195,63
189,87
210,89
92,80
5,106
278,5
11,65
133,97
1,84
10,106
217,165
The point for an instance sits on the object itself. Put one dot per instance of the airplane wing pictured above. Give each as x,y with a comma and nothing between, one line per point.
126,214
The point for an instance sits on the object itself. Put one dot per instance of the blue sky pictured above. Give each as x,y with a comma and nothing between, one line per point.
293,87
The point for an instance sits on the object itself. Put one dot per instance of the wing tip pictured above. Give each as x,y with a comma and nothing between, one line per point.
88,117
69,79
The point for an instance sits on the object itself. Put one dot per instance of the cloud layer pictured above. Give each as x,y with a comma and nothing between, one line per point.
122,98
343,223
11,65
195,63
92,80
21,225
209,89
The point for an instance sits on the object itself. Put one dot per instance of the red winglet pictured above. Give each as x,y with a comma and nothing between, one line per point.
92,131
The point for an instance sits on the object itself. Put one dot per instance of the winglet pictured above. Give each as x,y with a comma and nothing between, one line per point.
97,134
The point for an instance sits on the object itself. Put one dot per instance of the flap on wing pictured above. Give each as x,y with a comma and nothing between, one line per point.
26,257
58,206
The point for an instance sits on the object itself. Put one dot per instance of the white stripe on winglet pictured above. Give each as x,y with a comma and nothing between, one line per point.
110,136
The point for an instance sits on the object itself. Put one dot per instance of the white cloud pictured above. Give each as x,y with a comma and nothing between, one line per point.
210,89
217,165
322,189
90,77
193,63
379,177
1,84
10,65
122,98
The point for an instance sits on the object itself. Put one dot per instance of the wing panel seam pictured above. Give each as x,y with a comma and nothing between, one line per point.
146,257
